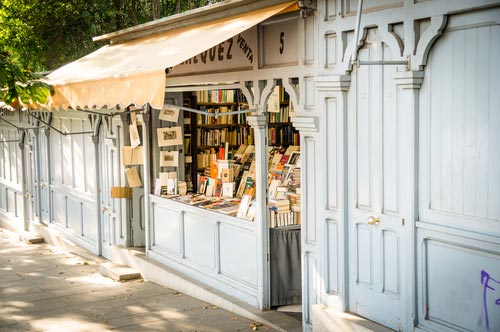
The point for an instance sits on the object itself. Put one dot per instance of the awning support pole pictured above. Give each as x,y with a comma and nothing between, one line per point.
354,56
216,114
112,114
13,125
57,130
389,62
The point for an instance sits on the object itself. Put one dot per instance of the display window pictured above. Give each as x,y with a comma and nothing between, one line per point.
207,158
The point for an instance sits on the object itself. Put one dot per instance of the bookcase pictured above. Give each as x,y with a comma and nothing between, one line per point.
190,148
280,128
219,156
220,135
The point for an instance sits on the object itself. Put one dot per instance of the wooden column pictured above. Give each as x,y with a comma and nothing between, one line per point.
408,84
259,125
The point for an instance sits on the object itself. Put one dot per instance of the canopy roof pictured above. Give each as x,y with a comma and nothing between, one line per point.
133,72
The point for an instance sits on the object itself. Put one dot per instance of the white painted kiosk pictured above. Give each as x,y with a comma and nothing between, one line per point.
400,158
251,48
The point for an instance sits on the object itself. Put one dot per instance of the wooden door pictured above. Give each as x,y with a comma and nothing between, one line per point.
112,231
375,227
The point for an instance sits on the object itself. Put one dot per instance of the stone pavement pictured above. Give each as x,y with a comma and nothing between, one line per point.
44,288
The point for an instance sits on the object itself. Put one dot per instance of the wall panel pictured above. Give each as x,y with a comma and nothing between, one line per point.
460,130
199,240
332,153
310,188
238,254
333,256
166,228
457,281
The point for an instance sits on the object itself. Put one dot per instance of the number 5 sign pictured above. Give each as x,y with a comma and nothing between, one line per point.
279,42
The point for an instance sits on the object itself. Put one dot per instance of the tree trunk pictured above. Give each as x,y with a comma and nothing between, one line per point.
177,6
156,9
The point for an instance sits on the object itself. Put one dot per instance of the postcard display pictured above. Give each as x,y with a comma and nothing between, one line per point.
223,184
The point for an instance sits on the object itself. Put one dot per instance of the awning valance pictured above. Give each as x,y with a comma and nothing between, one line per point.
133,72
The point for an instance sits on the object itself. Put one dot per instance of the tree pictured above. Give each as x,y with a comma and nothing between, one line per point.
20,87
43,35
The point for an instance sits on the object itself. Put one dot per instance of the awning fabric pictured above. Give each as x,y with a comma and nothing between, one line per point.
133,72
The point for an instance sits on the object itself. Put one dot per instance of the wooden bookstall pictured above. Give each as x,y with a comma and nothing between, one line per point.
220,176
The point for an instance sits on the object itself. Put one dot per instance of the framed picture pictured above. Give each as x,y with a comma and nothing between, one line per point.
169,114
169,158
170,136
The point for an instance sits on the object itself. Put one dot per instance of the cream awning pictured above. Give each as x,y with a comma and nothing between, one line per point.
133,72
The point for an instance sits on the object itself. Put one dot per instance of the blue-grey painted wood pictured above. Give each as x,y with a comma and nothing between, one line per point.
67,179
458,248
113,225
460,131
11,195
216,249
375,267
458,275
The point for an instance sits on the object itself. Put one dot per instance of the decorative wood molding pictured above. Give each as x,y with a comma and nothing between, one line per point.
306,123
409,79
293,91
265,91
257,121
430,35
333,83
247,92
392,40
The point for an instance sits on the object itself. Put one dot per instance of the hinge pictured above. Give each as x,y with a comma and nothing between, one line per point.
403,221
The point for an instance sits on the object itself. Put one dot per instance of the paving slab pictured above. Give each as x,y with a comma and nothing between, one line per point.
46,289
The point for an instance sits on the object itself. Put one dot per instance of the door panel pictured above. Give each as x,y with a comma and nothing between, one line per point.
136,215
112,232
375,228
31,177
44,161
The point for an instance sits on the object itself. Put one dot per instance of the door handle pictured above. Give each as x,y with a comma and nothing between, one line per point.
373,220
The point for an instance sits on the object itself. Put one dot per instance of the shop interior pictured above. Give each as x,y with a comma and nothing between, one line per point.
203,155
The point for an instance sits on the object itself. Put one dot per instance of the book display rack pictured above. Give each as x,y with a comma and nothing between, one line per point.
220,163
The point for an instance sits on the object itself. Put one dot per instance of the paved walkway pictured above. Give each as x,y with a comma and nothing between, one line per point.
43,288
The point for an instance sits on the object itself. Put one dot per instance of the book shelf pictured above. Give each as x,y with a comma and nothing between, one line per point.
280,128
220,151
190,149
219,135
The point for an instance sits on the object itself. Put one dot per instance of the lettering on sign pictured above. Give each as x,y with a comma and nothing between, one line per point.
282,42
279,43
491,287
247,50
222,52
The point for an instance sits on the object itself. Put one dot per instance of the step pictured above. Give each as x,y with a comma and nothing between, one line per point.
118,272
326,319
31,238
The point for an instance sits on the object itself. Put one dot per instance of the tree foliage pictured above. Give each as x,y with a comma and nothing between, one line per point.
20,87
45,34
42,35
